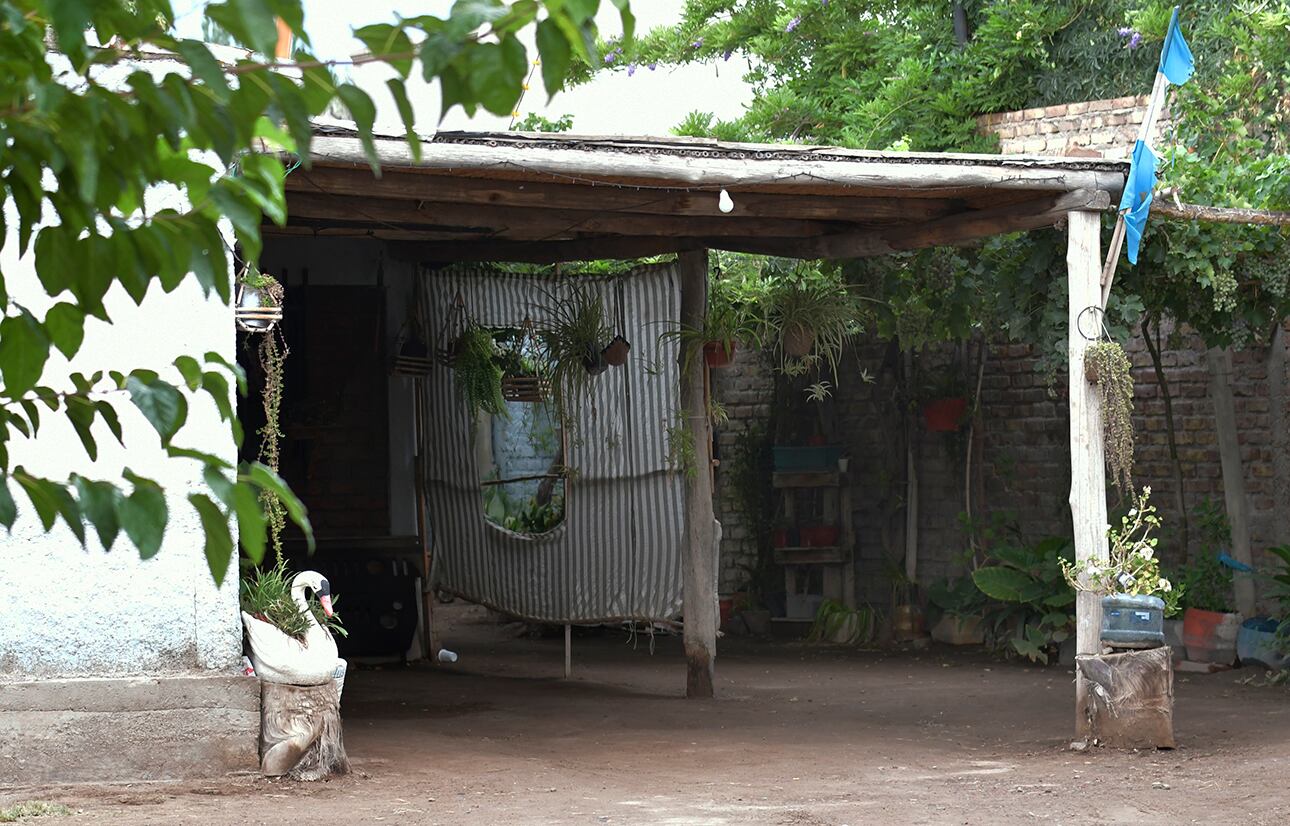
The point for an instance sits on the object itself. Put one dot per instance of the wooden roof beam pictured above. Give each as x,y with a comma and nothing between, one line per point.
426,185
506,220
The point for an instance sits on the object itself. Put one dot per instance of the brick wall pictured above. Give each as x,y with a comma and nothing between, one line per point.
1107,128
1023,454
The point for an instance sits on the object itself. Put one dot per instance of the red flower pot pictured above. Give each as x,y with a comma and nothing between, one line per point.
820,536
1210,636
727,607
719,353
780,538
944,415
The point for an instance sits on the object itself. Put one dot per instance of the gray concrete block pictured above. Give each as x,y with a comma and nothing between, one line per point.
127,729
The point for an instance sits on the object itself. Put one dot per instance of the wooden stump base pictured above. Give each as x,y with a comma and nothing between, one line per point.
1131,698
300,731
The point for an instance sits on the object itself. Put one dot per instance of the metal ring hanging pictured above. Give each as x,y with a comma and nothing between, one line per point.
1097,314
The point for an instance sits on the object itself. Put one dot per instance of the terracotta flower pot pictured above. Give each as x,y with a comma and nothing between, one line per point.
719,353
944,415
798,340
615,354
1210,636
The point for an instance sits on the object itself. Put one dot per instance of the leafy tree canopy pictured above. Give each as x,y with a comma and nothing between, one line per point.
93,130
891,74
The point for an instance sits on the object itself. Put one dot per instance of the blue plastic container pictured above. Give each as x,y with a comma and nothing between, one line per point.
1256,644
1133,621
817,458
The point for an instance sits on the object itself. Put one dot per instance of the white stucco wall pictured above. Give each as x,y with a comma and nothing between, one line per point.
69,612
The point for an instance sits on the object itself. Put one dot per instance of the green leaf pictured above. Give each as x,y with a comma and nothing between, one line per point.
65,324
99,503
52,500
208,459
250,21
400,94
204,67
391,43
553,47
24,349
80,412
108,414
232,367
160,402
363,111
265,479
1004,584
190,370
217,387
250,521
628,19
496,74
143,515
234,203
8,509
219,542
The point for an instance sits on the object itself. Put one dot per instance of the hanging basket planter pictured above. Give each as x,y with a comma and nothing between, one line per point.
721,353
258,309
413,359
531,389
615,353
798,340
944,415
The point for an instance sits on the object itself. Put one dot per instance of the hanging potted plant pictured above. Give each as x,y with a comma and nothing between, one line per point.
615,353
1107,366
812,315
574,336
1135,597
946,404
477,371
259,301
523,379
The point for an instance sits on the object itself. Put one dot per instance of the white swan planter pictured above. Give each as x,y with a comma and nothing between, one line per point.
279,658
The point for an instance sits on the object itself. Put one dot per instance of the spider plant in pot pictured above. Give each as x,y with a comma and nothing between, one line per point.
478,372
812,316
574,335
725,325
1107,366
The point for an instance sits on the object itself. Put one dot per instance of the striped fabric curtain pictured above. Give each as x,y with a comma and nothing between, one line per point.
617,553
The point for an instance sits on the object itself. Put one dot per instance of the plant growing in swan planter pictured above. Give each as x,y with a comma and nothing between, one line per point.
294,654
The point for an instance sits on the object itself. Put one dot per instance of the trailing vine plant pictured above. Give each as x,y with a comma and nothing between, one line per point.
1107,365
273,359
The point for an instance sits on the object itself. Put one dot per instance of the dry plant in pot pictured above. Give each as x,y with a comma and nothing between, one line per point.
1107,366
260,299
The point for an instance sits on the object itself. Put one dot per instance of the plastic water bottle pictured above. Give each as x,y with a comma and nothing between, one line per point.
446,656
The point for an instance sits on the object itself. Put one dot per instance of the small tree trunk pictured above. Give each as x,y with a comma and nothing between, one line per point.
1180,499
1131,703
300,731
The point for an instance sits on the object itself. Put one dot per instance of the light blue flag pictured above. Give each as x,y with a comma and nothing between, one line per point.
1176,62
1136,201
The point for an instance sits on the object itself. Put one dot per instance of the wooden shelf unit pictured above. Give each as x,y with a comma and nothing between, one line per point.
837,561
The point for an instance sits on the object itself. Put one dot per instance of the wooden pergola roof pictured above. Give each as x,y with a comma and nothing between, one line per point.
544,197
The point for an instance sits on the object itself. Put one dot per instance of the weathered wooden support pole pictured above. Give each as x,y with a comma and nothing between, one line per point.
1229,455
698,560
1088,469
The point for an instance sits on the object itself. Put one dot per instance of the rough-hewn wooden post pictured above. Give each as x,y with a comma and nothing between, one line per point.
1088,470
698,560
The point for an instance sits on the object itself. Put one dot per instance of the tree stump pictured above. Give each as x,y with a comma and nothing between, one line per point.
1131,698
300,732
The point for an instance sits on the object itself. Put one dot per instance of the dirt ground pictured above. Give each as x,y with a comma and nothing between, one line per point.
799,736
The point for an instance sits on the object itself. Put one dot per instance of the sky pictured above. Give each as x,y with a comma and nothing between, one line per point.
648,103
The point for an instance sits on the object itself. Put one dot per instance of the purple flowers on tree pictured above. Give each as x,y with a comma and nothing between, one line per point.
1135,36
792,24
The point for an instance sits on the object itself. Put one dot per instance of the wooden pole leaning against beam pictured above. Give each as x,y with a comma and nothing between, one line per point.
1088,467
698,554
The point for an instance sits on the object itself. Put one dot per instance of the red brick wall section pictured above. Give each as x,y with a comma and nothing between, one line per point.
1107,128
